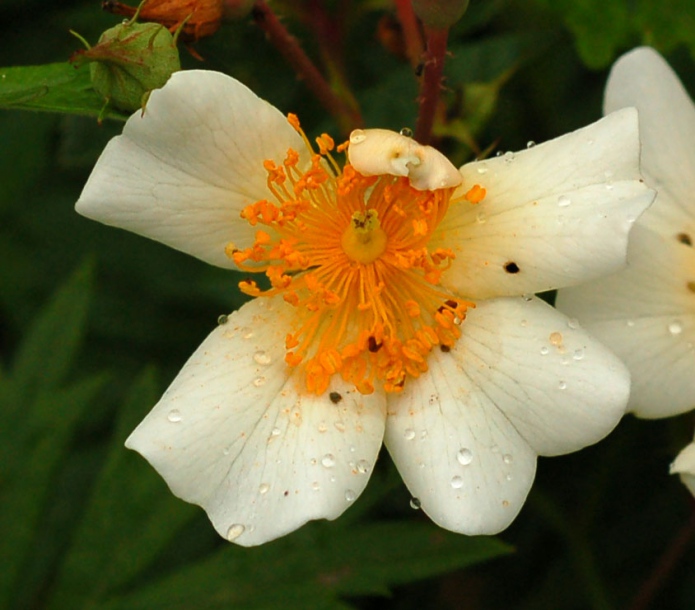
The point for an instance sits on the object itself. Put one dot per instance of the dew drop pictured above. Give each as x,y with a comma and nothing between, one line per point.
407,132
339,426
555,339
630,323
562,385
499,153
315,486
322,427
530,144
464,457
262,357
235,531
482,169
264,488
544,350
225,451
563,201
507,458
363,467
457,482
509,477
573,323
357,136
350,495
578,354
675,328
527,297
481,218
223,319
259,381
508,156
409,434
275,432
523,323
415,503
328,460
174,416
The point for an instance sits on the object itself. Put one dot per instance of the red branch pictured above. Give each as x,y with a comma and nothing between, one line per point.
431,83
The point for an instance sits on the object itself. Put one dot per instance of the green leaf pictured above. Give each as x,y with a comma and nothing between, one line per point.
42,442
50,346
130,518
304,571
58,87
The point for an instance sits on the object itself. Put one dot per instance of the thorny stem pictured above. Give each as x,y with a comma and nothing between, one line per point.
665,566
411,31
431,83
347,117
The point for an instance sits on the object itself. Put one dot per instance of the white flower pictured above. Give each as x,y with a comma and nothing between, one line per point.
646,313
684,466
395,312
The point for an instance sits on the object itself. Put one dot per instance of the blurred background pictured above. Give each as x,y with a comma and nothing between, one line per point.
95,322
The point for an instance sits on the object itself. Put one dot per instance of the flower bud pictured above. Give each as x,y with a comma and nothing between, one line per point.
196,18
439,14
129,61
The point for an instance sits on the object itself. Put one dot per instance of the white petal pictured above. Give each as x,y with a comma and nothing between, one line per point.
181,172
237,434
521,381
559,211
646,315
642,78
684,465
374,152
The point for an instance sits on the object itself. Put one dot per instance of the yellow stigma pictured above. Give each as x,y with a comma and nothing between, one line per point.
351,254
364,240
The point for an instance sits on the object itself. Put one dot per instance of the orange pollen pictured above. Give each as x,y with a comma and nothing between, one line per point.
351,254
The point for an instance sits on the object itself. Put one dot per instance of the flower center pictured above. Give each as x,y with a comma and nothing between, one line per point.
364,240
350,253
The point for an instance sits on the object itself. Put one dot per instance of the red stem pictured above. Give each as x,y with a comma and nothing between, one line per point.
347,117
431,83
665,566
412,34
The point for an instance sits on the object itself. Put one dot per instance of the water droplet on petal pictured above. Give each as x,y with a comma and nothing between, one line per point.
315,486
457,482
464,457
259,381
555,339
507,458
630,323
357,136
481,218
409,434
530,144
328,460
508,156
544,350
407,132
322,426
527,297
675,328
363,466
264,488
572,323
509,477
275,432
562,385
578,354
482,169
415,503
523,323
262,357
235,531
563,201
339,426
350,495
174,416
223,319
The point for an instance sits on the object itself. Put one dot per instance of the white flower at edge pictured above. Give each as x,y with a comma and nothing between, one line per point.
684,466
423,296
646,313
